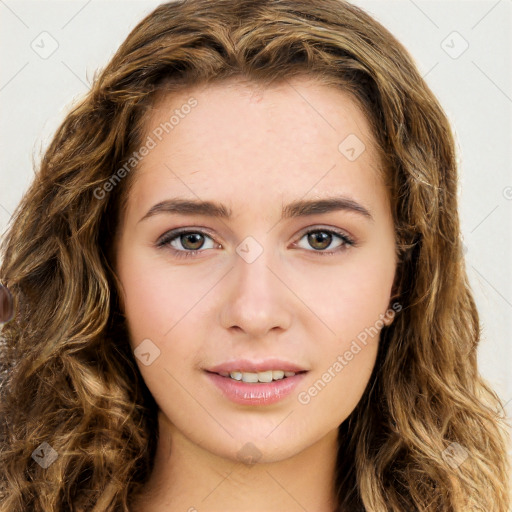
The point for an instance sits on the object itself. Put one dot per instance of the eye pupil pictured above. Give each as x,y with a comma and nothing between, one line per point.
319,236
190,237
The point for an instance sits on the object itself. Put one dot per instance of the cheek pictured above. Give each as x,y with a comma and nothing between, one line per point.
353,308
338,385
168,307
159,310
345,356
156,296
147,306
355,296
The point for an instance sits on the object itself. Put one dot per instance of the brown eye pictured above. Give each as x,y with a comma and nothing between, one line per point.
186,242
319,240
192,241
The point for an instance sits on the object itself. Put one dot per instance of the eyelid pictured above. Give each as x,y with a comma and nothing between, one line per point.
172,234
166,238
304,231
319,227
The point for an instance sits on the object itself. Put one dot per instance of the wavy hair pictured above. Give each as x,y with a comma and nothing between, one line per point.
68,376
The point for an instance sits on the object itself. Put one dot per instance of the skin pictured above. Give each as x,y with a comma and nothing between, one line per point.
254,150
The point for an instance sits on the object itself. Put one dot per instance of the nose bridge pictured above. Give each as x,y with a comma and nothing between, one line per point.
257,300
253,267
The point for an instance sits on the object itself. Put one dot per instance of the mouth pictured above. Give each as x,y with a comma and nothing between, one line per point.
265,376
256,382
264,387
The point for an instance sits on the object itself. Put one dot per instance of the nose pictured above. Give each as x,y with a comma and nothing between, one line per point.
256,300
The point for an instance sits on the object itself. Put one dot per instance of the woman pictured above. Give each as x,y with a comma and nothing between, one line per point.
290,143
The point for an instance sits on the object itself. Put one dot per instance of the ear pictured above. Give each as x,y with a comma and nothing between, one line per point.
388,319
395,294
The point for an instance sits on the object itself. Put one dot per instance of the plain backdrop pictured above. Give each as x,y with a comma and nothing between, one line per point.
49,51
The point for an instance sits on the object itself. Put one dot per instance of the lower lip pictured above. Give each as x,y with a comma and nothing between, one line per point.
261,393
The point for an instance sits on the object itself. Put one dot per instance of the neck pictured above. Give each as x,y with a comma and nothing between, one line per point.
185,477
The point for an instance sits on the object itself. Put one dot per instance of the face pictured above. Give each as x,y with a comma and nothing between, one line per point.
272,280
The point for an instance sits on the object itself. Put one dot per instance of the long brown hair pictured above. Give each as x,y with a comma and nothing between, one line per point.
69,378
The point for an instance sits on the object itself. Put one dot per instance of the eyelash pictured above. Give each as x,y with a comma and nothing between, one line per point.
164,241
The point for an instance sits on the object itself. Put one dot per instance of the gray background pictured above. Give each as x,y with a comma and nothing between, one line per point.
473,84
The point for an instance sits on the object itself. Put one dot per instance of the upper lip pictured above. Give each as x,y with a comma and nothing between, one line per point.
246,365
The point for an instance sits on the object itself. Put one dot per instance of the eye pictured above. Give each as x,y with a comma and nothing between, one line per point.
190,242
186,243
320,239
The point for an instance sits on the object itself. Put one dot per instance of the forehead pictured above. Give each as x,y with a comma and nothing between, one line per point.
233,140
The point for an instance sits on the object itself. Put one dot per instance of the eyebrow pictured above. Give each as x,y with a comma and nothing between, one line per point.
299,208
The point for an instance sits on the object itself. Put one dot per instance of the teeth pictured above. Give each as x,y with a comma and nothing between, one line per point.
266,376
249,377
